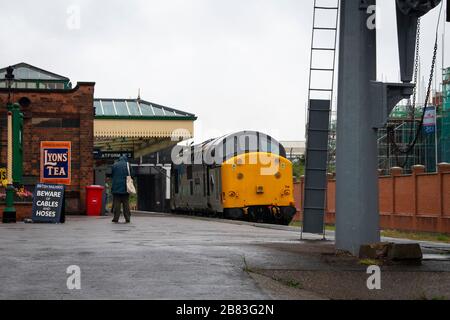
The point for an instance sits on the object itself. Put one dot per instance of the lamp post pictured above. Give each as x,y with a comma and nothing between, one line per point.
9,214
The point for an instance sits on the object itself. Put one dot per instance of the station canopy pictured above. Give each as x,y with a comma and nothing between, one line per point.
139,126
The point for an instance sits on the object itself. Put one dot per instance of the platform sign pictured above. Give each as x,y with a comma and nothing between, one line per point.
48,204
3,177
112,155
56,162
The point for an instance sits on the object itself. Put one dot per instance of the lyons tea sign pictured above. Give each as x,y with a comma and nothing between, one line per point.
56,162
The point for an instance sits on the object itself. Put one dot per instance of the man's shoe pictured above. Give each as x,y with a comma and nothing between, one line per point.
128,222
115,221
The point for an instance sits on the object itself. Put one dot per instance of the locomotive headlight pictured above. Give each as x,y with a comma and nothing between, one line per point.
240,176
287,192
278,175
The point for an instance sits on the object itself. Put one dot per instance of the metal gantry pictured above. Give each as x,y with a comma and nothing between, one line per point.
364,106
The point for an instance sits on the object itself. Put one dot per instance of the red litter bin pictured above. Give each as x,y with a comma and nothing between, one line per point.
94,200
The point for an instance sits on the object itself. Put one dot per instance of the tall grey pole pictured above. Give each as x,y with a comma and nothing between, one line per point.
357,214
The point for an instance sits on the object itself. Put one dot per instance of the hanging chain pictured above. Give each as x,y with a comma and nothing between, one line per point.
427,99
416,71
411,104
411,146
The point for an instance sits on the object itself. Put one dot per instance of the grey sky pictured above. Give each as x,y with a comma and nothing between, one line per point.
237,64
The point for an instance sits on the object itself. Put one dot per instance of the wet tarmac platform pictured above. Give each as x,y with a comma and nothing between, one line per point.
176,257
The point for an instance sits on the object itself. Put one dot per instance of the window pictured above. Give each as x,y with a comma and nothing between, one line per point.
70,123
189,172
46,123
213,184
205,191
176,181
55,123
31,85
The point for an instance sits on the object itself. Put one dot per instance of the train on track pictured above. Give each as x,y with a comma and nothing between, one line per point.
241,176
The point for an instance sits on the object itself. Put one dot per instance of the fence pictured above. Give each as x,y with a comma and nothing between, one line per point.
416,202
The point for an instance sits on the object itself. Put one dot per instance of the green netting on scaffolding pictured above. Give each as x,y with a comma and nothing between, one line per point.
446,89
445,119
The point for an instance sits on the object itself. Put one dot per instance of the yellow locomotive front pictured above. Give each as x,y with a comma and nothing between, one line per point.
258,187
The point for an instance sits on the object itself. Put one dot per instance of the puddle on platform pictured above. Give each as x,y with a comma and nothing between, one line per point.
436,257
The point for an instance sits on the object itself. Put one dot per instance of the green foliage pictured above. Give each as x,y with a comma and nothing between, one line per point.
417,236
370,262
299,167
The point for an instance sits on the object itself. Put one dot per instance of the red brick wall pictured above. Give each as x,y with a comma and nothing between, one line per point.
57,115
417,202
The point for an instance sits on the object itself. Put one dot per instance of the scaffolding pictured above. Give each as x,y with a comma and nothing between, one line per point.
431,148
402,131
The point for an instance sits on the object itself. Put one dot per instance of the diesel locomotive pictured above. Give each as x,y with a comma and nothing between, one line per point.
241,176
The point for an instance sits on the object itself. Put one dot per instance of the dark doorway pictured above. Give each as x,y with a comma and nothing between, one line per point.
152,193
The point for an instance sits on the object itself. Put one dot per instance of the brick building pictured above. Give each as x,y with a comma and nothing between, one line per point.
53,111
98,130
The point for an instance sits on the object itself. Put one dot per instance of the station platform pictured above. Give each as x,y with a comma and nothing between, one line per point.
164,256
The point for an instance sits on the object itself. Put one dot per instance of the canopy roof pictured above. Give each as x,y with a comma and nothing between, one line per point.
24,71
139,126
135,109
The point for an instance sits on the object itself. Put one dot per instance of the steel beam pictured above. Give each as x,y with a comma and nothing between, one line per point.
357,214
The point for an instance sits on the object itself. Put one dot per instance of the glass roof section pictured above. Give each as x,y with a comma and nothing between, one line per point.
133,108
136,108
23,71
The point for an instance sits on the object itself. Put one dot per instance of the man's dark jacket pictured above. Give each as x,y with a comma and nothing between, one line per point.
119,177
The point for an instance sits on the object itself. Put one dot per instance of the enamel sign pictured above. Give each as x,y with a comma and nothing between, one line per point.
56,162
48,204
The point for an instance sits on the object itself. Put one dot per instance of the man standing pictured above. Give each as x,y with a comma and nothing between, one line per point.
121,197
